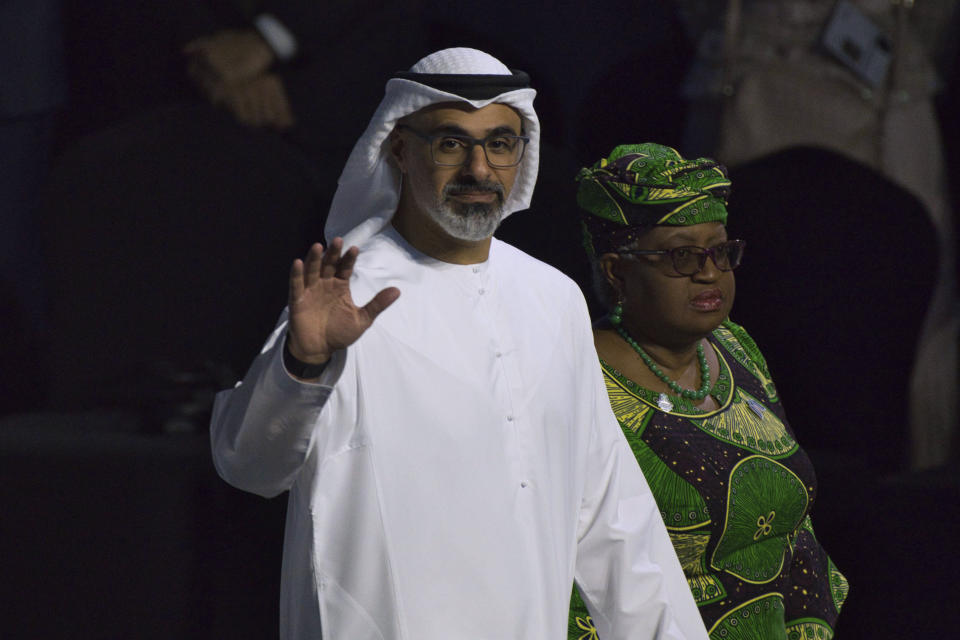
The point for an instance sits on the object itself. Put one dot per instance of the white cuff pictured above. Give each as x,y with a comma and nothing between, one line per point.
280,39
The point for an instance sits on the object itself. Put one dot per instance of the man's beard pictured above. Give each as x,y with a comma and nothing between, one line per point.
471,221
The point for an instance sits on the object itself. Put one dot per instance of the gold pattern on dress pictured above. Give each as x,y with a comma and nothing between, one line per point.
586,625
809,629
839,587
629,412
725,336
691,550
741,426
760,617
763,525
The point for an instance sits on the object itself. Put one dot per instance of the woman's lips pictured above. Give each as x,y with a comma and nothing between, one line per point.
710,300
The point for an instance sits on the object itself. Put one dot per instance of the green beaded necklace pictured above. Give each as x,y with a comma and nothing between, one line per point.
699,394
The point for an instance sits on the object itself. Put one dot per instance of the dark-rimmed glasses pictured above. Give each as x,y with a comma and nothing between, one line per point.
502,150
688,261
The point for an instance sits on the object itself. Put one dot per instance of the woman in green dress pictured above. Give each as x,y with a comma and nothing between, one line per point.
697,403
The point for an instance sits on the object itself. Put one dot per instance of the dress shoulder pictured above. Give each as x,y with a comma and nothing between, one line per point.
734,339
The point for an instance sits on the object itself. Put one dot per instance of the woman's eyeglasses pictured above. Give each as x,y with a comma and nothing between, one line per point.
688,261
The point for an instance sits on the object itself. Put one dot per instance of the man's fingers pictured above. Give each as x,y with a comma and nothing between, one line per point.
281,116
380,302
345,266
331,258
312,264
277,111
296,281
320,264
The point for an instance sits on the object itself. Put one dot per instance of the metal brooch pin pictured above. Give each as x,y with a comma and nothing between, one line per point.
758,408
663,402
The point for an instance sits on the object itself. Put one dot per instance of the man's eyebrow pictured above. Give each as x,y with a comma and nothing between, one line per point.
456,130
502,129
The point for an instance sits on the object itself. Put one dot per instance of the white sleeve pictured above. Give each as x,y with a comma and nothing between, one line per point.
261,430
627,571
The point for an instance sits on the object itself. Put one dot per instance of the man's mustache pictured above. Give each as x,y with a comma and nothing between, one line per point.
466,188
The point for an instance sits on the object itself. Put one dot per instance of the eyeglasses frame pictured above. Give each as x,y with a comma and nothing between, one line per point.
473,142
702,256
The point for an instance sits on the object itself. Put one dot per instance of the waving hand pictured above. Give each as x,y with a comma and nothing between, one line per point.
323,316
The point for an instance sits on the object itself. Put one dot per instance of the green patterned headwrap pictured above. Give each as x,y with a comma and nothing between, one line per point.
640,186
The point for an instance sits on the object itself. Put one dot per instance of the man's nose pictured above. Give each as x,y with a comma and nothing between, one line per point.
476,164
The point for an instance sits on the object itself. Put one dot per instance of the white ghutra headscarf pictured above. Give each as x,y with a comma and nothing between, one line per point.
369,187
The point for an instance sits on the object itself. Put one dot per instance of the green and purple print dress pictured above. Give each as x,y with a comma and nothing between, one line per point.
735,491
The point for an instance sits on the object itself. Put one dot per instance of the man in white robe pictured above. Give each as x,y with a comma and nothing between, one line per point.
454,465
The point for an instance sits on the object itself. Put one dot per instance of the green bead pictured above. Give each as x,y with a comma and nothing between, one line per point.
616,315
674,386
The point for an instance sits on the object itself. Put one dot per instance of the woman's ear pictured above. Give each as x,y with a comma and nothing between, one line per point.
610,265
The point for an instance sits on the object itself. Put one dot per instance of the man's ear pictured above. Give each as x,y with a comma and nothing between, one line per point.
397,148
610,265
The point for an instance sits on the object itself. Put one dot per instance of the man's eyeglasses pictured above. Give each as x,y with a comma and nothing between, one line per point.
449,150
688,261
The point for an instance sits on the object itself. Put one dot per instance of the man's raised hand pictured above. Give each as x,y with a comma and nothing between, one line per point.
323,316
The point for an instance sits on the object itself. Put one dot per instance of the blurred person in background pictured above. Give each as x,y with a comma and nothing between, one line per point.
856,77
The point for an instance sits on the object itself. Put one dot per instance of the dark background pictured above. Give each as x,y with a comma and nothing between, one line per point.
165,230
